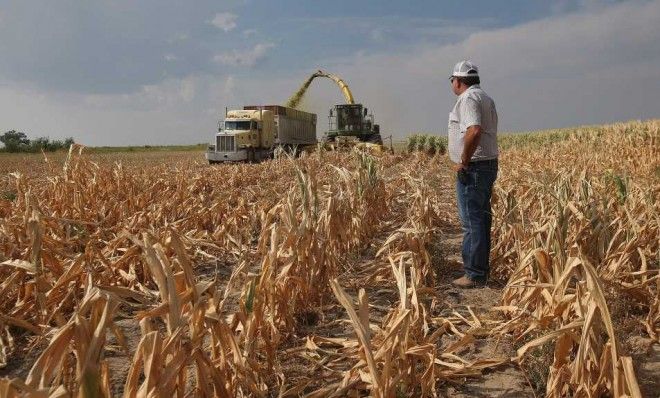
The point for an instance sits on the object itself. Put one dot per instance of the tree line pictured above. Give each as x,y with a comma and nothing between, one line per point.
16,141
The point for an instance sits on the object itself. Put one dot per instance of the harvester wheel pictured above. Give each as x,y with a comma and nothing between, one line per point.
375,139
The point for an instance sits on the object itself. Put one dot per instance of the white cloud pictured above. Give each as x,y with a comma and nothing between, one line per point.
249,57
187,90
249,32
179,37
377,34
575,45
170,94
225,21
561,6
170,57
221,94
230,85
395,30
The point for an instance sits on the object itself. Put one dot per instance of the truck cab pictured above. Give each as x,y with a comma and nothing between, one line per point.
244,135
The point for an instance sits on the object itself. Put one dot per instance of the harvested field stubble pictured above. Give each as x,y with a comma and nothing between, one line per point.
230,273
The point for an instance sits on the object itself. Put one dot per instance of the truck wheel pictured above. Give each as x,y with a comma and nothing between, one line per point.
248,156
256,157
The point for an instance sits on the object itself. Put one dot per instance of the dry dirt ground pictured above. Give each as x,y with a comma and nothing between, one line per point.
505,381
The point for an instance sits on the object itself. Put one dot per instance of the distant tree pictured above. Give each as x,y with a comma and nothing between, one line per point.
38,144
46,144
15,141
54,145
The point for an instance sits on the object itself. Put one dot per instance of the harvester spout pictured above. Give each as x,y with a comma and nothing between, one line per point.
342,86
295,99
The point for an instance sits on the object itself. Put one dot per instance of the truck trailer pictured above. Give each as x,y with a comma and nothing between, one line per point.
253,133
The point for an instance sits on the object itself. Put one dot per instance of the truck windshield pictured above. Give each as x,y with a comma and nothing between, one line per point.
238,125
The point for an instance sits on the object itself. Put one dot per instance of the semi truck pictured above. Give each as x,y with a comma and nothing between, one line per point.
253,133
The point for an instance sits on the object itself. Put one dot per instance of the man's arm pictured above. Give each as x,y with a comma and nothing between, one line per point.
472,137
471,117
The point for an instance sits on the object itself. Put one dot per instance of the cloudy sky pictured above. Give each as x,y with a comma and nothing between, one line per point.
127,72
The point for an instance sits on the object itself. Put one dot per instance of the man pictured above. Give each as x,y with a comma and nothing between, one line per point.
473,149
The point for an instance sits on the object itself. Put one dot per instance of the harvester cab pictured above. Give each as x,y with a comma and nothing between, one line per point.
352,120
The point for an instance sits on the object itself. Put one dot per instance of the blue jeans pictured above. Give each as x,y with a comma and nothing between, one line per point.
474,188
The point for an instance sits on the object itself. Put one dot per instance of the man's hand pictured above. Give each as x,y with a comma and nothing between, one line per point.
459,166
472,137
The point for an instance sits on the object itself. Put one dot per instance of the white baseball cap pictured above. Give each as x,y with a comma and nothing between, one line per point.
465,69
